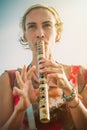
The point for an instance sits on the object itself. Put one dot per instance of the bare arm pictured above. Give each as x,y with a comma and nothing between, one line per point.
9,117
57,71
79,113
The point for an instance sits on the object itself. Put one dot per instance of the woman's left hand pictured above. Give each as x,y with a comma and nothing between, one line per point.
56,71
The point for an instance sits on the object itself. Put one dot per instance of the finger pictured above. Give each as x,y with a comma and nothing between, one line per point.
47,63
35,77
23,74
17,91
55,76
21,94
19,80
35,94
51,81
30,72
48,70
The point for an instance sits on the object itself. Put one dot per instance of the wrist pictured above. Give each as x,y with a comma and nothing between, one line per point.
71,96
74,103
72,99
18,110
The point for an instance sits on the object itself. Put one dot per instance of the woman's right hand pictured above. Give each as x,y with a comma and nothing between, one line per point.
27,94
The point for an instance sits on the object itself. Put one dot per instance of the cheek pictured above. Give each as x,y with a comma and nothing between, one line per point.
29,35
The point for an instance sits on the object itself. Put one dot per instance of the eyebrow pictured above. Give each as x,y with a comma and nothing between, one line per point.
47,22
33,23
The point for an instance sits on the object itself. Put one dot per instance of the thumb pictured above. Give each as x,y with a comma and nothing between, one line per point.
15,91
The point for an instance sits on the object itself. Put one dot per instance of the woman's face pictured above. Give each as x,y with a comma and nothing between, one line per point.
40,24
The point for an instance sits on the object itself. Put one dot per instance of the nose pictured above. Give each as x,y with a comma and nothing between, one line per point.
40,33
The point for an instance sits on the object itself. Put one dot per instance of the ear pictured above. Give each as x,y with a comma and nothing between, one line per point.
24,37
57,36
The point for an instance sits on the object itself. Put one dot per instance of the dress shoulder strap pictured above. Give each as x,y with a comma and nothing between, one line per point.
12,76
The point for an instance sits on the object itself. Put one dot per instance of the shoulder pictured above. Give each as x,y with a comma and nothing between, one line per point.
82,84
5,87
80,71
6,100
4,79
83,73
7,78
82,78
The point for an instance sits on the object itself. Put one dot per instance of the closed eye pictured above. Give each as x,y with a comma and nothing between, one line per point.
47,24
31,25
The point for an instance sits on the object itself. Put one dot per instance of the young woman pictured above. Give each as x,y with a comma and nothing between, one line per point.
67,85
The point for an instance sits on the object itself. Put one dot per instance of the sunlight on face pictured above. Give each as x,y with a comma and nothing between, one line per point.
42,26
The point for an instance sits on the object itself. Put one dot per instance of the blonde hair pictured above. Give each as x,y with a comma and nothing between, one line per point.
51,9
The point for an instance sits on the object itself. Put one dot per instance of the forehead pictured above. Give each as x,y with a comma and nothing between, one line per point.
40,14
